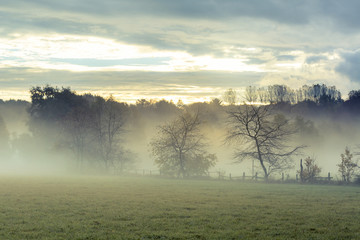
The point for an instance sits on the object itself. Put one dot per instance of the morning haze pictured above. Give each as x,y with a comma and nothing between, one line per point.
179,119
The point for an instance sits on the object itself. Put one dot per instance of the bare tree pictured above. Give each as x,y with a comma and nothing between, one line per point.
348,166
179,148
230,96
77,127
251,94
264,136
108,121
263,95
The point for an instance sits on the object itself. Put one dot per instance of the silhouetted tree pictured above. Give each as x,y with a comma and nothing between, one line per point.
49,107
108,118
251,94
77,125
230,96
179,148
88,125
354,95
353,103
263,95
49,110
278,93
264,136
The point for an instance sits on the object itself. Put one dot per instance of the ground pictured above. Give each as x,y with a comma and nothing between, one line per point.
153,208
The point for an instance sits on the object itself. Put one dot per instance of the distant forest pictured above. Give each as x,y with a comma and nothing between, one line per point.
87,132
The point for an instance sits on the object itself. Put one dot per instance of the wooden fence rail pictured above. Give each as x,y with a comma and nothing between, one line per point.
221,175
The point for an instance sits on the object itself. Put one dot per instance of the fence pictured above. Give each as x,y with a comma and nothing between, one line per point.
221,175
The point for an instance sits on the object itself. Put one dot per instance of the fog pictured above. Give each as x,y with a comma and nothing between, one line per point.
54,139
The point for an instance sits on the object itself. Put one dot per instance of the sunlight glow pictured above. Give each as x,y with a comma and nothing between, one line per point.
65,52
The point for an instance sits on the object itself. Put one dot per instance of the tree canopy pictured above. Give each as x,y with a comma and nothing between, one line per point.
179,147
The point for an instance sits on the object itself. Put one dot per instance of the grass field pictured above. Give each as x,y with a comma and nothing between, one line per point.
150,208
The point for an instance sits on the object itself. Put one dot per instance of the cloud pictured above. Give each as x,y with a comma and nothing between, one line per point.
202,9
315,59
130,85
199,27
286,58
282,11
350,65
90,62
255,61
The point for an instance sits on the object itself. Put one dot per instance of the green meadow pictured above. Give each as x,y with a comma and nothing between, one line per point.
153,208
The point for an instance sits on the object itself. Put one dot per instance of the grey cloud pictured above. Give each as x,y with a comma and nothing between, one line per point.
160,38
113,62
343,14
206,9
205,26
282,11
315,59
255,61
350,66
24,78
28,23
286,58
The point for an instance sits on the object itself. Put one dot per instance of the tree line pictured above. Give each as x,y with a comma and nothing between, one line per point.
317,93
93,129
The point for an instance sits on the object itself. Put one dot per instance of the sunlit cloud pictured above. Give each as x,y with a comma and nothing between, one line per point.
75,53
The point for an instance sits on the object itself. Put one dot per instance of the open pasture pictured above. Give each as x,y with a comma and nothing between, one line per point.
153,208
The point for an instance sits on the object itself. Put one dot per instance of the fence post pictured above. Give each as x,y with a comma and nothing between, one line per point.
329,177
282,177
243,176
230,176
256,178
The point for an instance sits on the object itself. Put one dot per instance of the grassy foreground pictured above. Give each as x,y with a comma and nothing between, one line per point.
149,208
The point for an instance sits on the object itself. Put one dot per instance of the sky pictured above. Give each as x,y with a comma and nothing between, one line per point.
189,50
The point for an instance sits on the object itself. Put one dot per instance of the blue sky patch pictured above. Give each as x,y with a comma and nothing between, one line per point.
113,62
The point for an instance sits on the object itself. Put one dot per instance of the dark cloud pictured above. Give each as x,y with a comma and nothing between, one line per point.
283,11
201,9
350,66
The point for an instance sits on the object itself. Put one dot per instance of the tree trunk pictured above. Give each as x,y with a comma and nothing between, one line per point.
301,171
266,175
182,167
